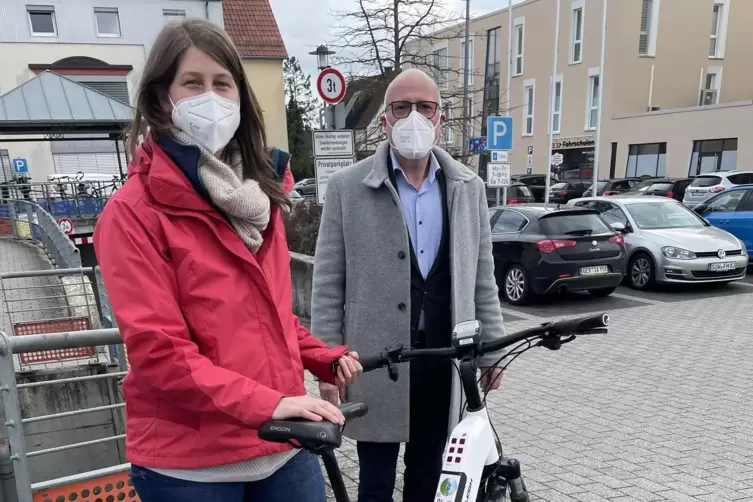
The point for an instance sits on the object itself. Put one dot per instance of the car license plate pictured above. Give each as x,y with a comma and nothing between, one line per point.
722,267
600,269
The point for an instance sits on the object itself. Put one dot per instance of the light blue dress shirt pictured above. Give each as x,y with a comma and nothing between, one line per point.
422,209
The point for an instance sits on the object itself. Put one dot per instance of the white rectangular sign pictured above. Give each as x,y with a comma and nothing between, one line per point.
338,143
323,169
500,155
498,175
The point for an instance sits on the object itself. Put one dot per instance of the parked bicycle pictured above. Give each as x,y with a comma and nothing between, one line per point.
474,467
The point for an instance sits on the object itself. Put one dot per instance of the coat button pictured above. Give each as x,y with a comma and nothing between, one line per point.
401,255
401,307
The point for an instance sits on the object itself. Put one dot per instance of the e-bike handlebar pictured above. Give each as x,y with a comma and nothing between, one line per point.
564,328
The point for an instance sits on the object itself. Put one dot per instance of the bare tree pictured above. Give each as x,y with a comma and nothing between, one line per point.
382,37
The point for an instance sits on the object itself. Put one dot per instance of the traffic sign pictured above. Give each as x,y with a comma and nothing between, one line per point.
337,143
323,169
331,86
500,156
557,159
499,133
66,225
20,166
498,175
477,145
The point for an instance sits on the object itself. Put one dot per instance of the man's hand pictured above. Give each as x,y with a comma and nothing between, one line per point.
332,393
491,378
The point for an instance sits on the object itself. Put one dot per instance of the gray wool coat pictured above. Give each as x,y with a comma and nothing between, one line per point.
359,280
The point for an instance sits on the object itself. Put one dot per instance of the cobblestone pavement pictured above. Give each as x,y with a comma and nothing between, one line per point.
658,410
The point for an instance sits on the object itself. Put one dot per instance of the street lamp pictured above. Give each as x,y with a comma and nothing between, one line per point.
322,54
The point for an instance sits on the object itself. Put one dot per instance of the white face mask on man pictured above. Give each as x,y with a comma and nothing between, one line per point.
209,119
414,136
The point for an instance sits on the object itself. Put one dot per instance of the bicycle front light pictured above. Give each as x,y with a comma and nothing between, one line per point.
678,253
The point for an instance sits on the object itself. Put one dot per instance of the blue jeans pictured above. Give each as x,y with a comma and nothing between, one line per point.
299,480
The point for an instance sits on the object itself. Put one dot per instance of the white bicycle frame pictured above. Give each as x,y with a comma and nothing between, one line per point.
471,447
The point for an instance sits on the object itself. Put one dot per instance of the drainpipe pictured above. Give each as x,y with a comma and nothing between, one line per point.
206,9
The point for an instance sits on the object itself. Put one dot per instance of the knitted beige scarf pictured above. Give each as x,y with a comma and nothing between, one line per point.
243,201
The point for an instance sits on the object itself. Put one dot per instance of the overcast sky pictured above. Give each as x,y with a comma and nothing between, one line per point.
305,24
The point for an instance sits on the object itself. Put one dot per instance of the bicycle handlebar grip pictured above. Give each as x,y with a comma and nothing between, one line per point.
574,326
373,361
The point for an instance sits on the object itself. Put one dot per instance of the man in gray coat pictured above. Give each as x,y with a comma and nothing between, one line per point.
404,253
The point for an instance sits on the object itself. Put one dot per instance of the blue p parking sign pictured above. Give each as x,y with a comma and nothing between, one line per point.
499,133
20,166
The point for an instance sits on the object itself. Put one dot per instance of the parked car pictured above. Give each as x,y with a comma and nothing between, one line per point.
536,182
517,193
540,250
731,211
668,243
642,186
306,187
706,186
295,197
674,189
612,187
565,191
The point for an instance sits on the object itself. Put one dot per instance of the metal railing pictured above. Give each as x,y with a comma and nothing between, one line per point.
67,197
9,387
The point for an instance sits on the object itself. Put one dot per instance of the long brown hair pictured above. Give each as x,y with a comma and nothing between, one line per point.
159,72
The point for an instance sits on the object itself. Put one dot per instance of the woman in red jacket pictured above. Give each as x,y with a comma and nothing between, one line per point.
195,260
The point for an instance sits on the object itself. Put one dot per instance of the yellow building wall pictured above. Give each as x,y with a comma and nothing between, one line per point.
267,82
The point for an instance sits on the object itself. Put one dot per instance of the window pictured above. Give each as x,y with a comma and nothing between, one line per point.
748,204
648,159
42,20
509,222
169,15
439,66
592,111
576,52
726,202
471,66
657,215
114,89
491,76
741,179
712,86
557,106
529,101
447,126
714,155
108,22
573,224
719,23
649,26
518,44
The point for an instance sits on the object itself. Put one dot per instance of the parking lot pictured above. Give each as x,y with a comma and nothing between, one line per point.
658,409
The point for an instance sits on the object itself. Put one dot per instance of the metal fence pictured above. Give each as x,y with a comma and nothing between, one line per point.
110,483
71,197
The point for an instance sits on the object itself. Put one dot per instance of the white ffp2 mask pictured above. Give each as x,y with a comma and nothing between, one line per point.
209,119
414,136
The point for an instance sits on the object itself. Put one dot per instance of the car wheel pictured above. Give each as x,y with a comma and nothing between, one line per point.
641,271
601,292
517,290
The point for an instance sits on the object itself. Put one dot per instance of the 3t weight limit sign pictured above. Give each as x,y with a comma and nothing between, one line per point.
331,86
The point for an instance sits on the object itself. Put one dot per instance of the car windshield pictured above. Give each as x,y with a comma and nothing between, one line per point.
601,186
523,190
658,215
558,186
706,181
644,184
573,224
660,187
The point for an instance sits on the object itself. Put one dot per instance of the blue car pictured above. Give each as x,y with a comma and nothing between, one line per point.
731,210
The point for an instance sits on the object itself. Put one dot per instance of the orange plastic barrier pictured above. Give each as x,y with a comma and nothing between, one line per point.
112,488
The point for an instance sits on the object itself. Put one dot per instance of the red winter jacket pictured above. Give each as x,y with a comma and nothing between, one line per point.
212,341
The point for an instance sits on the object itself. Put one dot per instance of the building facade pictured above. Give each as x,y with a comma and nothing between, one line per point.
103,44
677,85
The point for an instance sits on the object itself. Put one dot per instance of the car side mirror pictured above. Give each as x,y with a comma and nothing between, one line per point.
619,227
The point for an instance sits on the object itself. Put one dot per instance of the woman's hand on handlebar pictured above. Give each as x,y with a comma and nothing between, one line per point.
308,408
348,369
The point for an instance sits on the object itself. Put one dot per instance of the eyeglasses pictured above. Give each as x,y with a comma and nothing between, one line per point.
401,109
